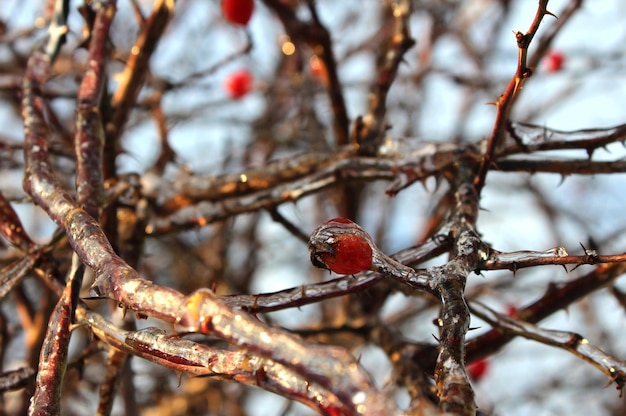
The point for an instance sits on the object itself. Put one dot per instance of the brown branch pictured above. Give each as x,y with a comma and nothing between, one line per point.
574,343
454,389
316,35
369,132
556,256
53,355
189,357
551,31
289,180
508,97
556,298
16,379
89,138
562,167
332,367
530,138
133,76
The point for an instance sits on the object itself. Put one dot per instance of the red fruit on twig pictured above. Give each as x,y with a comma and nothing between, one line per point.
238,84
237,12
342,246
553,61
478,369
511,311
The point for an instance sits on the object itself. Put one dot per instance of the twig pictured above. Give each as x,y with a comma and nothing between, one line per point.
53,355
506,100
574,343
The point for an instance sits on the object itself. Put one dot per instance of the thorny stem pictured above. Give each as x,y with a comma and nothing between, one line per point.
574,343
446,282
557,298
508,97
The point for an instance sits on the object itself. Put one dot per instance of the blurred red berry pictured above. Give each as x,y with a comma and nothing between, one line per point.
331,411
511,311
238,83
553,61
478,369
317,69
238,12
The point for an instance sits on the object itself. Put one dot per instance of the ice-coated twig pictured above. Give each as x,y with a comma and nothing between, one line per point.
574,343
331,367
557,298
53,355
196,359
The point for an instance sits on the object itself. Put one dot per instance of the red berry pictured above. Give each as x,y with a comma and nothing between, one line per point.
238,84
351,254
553,61
317,70
511,311
331,411
340,220
478,369
349,251
238,12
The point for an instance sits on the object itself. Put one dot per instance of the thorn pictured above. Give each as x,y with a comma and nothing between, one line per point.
549,13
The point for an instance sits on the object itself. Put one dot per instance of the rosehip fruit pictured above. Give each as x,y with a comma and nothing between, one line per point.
341,246
553,61
317,69
478,369
238,84
237,12
511,311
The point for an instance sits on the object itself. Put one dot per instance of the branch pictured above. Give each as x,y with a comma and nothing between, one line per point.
189,357
133,76
89,137
369,131
506,100
530,138
555,299
53,355
516,260
332,367
574,343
